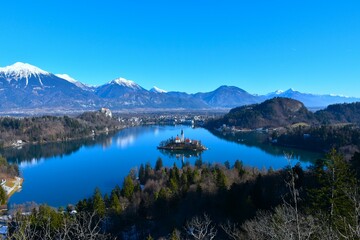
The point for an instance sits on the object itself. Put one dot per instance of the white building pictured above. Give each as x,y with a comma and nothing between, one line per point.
106,111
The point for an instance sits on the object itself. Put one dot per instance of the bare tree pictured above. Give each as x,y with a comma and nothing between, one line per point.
232,230
286,222
294,192
353,224
280,225
83,226
87,226
65,232
201,228
23,230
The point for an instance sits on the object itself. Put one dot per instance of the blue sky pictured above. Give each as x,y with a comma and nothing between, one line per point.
190,45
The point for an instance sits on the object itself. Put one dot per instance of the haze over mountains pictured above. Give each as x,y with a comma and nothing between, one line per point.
25,87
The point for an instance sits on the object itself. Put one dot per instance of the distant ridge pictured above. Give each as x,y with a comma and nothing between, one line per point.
24,87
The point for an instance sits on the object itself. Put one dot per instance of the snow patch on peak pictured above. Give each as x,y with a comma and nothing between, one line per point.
22,70
126,83
66,77
277,92
75,82
157,90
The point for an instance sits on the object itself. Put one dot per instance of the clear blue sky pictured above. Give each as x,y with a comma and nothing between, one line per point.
190,45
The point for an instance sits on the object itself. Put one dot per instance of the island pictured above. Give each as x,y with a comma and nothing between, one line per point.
181,144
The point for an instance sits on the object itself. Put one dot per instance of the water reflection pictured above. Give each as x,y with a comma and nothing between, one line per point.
178,154
259,140
35,152
124,142
30,154
76,168
128,137
31,163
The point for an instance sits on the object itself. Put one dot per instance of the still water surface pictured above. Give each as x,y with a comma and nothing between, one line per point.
61,173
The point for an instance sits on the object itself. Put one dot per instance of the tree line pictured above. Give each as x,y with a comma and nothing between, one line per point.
217,201
51,128
346,138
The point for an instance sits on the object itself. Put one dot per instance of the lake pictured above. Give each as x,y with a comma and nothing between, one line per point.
61,173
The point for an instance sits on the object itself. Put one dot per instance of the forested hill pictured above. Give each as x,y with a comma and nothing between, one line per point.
340,113
275,112
17,131
283,112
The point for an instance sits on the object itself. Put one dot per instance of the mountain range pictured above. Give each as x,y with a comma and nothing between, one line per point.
24,87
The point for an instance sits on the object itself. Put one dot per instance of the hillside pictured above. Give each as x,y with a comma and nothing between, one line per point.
340,113
276,112
18,131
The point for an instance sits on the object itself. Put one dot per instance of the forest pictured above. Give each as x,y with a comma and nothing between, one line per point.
53,129
212,201
345,138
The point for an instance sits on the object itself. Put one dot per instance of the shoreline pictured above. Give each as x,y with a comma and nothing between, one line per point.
7,146
11,186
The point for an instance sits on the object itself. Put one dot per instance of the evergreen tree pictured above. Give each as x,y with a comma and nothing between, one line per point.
240,167
337,183
142,174
174,179
106,200
159,164
227,164
83,205
98,203
148,171
3,196
198,163
115,204
128,188
117,191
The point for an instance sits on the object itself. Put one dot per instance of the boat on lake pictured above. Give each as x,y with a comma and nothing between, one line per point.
180,143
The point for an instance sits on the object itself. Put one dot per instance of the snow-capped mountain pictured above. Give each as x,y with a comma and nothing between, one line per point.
23,74
21,70
118,88
155,89
25,87
126,83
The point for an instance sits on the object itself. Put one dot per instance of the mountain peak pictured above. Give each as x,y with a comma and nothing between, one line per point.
126,83
22,70
290,90
157,90
230,88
